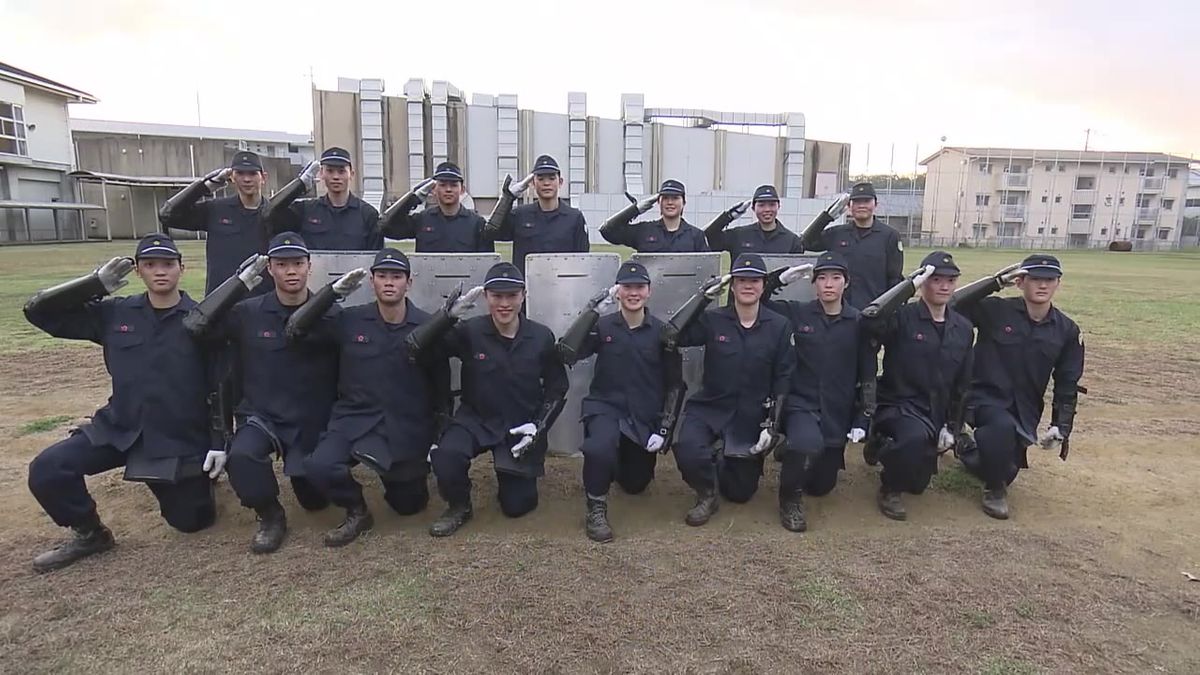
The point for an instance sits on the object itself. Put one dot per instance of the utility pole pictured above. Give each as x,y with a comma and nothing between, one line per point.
1087,136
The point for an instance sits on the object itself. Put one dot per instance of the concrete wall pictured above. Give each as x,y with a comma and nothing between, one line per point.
51,140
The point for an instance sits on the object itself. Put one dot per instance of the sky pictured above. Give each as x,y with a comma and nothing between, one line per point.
891,78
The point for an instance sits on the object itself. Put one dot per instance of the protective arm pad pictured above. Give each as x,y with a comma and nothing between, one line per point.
688,312
402,207
866,397
891,300
495,222
571,343
813,238
279,202
205,315
65,296
776,417
425,336
973,292
714,233
773,283
302,319
1062,413
618,220
549,413
180,201
219,431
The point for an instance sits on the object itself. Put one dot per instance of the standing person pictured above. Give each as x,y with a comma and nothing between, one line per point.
233,225
288,387
669,234
767,235
748,363
1022,343
872,249
832,396
637,389
926,374
447,226
514,386
336,221
546,226
389,409
156,422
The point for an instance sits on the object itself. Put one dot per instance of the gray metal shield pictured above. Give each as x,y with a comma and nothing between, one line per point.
327,266
800,291
558,285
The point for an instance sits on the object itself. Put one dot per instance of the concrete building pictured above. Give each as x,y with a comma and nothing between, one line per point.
131,167
37,201
399,140
1190,234
901,209
1053,198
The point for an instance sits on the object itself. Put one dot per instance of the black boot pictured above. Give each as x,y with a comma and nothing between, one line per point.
706,506
88,539
454,517
358,520
596,522
995,503
791,514
891,506
272,528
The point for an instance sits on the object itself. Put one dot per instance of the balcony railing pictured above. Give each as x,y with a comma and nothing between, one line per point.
1016,181
1012,211
1147,214
1152,183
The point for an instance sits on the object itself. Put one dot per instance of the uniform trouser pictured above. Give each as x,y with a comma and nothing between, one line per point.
999,446
56,481
911,458
452,464
328,469
735,477
609,455
823,472
252,476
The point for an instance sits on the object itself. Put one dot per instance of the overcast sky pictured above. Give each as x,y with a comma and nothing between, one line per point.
903,73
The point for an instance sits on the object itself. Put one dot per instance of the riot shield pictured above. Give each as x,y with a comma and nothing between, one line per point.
800,291
558,285
327,266
436,275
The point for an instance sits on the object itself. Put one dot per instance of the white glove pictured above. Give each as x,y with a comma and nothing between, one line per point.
112,273
429,457
856,435
838,207
517,189
465,302
350,281
1009,275
738,209
308,175
424,188
713,288
1050,438
215,180
251,269
528,433
766,438
945,439
646,203
609,299
921,275
655,443
214,462
795,273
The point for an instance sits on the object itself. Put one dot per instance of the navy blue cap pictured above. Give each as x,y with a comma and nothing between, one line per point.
157,246
545,164
391,259
943,264
749,265
287,245
863,190
632,272
1042,266
336,156
448,171
503,277
246,161
765,193
671,186
830,260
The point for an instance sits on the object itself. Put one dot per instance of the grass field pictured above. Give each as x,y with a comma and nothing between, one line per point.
1087,576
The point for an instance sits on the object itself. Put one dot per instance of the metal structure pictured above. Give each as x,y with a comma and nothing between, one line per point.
800,291
558,285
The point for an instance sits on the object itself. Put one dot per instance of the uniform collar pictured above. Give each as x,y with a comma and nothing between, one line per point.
848,312
271,303
351,203
1051,316
440,214
618,319
410,314
779,228
489,328
731,312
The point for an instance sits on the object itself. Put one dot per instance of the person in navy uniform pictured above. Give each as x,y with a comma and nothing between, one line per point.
233,225
447,226
636,392
288,387
156,422
833,387
669,234
546,226
768,235
748,364
927,358
336,221
872,249
514,386
1022,342
388,409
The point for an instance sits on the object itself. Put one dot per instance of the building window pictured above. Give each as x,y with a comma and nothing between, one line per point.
983,200
1062,168
1103,231
1085,182
1108,200
1057,199
1172,173
1164,234
12,130
1045,199
1014,168
1054,230
1117,232
1140,233
1112,169
1146,171
1049,167
1192,203
1041,230
980,230
1143,201
985,168
1167,204
1081,211
1121,201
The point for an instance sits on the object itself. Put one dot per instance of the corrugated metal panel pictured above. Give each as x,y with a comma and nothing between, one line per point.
688,155
551,133
577,143
609,144
482,149
370,116
632,111
414,91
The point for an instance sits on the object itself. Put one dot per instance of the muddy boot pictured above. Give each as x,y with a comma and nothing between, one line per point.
596,522
454,517
272,528
791,514
87,539
706,506
995,503
358,520
891,506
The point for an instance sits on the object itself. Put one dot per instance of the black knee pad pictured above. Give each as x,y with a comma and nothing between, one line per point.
194,521
515,507
309,497
634,485
407,501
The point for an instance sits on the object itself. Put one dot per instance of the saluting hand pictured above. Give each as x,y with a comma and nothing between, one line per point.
795,273
350,281
112,273
714,287
517,189
308,175
424,188
918,277
838,207
465,303
217,179
604,299
251,269
739,208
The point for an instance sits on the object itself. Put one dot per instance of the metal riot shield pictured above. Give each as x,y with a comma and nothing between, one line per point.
558,285
327,266
799,291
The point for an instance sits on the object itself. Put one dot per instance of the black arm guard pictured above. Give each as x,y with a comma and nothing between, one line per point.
866,397
687,314
182,200
280,201
310,312
503,207
427,334
549,413
718,224
772,285
619,219
570,344
66,295
672,405
974,292
219,431
811,238
774,421
215,305
1062,413
400,207
891,300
